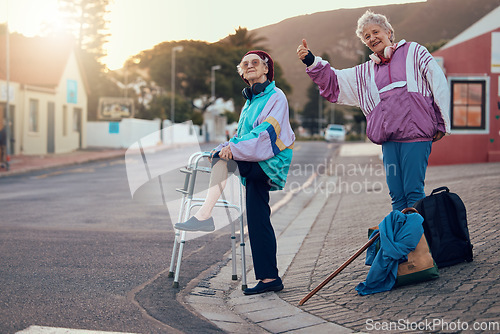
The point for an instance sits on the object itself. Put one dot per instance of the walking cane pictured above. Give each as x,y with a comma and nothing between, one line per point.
342,267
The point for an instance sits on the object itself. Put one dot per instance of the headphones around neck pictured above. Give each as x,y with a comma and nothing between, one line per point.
256,89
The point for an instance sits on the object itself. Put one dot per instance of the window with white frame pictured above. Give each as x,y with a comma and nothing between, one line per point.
34,116
468,105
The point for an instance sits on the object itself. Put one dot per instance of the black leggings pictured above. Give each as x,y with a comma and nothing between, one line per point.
260,230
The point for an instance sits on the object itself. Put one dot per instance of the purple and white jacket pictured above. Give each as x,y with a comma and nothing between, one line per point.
405,100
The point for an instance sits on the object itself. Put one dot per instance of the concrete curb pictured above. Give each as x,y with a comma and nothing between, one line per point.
225,305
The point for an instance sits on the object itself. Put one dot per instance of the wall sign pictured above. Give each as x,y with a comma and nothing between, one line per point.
115,108
114,127
71,91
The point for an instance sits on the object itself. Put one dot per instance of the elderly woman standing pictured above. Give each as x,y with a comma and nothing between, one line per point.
404,95
262,150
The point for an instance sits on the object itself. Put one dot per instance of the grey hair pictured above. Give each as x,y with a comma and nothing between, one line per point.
370,17
240,70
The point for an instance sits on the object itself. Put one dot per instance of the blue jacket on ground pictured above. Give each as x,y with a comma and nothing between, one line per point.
399,235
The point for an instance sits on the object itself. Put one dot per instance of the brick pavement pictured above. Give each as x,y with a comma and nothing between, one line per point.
464,294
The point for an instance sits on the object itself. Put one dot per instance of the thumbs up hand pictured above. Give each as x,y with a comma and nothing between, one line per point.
305,54
302,50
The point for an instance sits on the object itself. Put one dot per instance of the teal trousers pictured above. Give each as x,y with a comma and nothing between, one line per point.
405,166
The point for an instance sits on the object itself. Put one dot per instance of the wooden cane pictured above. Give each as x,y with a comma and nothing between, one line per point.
342,267
348,262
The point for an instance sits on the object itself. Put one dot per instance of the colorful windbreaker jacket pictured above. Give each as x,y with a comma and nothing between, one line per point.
264,135
405,100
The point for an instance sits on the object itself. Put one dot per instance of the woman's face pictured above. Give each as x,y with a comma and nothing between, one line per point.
376,38
254,69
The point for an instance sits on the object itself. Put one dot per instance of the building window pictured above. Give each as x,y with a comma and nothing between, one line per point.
468,105
34,116
65,120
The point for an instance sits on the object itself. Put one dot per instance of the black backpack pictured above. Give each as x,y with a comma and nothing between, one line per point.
445,227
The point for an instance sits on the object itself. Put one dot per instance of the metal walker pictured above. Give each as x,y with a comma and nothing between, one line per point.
188,203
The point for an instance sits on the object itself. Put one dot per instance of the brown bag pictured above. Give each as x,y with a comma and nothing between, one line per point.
420,266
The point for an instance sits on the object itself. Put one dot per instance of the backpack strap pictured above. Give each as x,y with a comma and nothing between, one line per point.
437,190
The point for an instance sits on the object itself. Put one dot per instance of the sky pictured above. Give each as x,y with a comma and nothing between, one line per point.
137,25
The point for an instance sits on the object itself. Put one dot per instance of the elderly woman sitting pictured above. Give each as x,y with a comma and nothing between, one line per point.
404,95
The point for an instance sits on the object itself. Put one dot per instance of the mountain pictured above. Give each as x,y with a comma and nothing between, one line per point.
333,33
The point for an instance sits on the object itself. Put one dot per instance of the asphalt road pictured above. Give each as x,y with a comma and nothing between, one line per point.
77,251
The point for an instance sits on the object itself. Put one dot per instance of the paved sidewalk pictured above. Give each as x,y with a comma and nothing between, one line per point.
20,164
322,226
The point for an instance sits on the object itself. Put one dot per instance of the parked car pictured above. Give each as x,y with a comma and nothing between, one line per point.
335,132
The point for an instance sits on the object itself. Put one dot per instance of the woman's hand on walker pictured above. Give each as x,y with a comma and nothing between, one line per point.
226,153
212,152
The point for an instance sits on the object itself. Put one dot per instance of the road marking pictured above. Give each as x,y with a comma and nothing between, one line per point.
61,172
56,330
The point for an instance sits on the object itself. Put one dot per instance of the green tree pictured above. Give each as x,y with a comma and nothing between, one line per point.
193,70
244,39
87,20
313,114
99,82
231,117
334,114
431,47
160,108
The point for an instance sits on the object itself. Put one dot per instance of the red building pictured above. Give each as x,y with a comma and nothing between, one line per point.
471,62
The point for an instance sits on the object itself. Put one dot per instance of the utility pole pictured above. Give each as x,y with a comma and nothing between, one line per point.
178,48
212,79
7,107
172,102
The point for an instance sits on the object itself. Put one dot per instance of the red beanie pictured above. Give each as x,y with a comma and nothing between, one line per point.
267,59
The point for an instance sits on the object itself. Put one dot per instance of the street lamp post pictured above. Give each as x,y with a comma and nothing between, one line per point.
212,79
7,88
172,102
212,98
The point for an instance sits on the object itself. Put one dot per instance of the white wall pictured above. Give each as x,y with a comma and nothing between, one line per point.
130,130
181,133
33,143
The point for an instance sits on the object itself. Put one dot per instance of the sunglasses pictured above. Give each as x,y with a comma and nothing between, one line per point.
255,62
